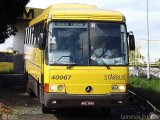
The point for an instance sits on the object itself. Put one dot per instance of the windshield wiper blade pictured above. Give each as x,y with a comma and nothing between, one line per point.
61,58
69,65
108,67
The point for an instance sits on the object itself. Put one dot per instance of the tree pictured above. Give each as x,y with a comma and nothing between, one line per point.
10,11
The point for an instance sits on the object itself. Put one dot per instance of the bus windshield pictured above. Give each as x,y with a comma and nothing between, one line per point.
108,44
87,43
65,46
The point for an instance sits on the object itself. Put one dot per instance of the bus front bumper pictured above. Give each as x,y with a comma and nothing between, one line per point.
59,100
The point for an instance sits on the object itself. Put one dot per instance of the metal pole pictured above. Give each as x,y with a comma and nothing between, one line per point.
148,55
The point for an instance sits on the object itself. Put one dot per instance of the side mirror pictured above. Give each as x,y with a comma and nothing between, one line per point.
42,41
131,40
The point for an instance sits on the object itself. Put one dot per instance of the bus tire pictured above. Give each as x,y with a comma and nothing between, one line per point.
106,111
26,76
45,110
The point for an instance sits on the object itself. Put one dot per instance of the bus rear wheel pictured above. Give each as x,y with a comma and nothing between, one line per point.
45,110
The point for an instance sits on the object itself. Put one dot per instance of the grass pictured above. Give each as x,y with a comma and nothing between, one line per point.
144,83
6,67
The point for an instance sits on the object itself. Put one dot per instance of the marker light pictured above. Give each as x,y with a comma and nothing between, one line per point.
53,88
50,16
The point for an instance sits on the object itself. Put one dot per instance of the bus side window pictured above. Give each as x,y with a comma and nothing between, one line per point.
38,34
25,36
32,35
28,36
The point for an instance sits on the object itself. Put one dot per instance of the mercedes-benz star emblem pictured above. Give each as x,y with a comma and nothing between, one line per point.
88,89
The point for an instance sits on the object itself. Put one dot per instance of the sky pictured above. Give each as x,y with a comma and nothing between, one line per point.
134,11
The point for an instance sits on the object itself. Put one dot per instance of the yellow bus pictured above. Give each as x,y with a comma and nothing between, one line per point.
76,55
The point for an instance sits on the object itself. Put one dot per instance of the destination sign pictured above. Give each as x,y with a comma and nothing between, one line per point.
69,24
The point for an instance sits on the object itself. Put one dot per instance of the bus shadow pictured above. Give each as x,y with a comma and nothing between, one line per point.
13,92
81,114
93,113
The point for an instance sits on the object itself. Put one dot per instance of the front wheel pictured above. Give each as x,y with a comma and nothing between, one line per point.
45,110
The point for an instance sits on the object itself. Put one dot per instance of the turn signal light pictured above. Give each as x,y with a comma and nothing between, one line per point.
46,87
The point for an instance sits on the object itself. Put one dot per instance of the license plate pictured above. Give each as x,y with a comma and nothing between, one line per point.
87,103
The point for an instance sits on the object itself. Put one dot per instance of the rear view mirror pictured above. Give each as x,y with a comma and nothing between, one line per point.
42,41
131,40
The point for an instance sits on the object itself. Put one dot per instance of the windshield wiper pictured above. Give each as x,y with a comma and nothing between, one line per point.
108,67
61,58
71,64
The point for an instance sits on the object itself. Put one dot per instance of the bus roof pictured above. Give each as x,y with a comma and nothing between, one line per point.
78,12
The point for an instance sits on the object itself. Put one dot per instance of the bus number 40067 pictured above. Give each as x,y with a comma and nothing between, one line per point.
61,77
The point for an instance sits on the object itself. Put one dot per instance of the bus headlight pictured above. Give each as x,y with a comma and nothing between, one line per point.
114,87
60,87
53,88
122,88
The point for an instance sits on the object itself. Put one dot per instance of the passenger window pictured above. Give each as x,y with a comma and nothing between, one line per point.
29,35
32,35
38,33
25,38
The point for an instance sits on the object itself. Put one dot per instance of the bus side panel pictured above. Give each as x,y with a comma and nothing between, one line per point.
33,59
